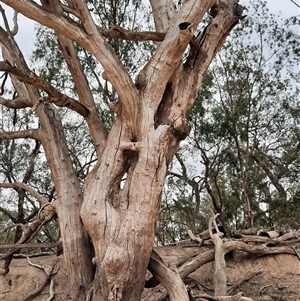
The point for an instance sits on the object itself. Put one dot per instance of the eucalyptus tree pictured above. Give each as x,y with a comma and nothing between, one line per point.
108,225
246,128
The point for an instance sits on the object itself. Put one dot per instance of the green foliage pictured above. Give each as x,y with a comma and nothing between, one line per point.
245,136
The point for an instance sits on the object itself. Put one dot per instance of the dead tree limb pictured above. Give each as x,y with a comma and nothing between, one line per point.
171,280
205,297
220,278
31,246
49,276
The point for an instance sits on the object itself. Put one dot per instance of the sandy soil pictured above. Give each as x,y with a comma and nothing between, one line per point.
268,278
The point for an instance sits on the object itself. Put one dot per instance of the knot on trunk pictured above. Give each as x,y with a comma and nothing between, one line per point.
181,128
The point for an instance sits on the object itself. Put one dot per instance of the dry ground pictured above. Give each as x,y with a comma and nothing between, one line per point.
267,278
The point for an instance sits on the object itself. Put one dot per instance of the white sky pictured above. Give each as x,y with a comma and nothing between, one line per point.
26,34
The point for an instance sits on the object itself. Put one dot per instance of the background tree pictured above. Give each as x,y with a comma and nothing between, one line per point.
107,227
243,150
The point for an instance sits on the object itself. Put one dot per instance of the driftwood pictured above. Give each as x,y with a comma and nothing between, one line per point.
220,278
285,243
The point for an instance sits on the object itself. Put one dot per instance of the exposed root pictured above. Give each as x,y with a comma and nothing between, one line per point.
49,276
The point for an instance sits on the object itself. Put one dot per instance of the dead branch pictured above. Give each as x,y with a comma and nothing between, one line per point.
31,133
220,278
196,262
263,287
49,276
290,237
12,226
55,96
169,279
31,246
29,233
205,297
195,238
239,233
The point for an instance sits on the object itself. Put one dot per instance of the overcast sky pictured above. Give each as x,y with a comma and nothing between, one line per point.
26,35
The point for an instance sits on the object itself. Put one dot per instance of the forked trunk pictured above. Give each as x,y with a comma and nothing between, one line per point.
120,209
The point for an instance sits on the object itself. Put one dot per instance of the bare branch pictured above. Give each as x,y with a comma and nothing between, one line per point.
194,237
169,279
49,273
32,133
163,12
31,246
56,97
169,53
19,185
89,38
15,30
208,44
220,278
29,233
295,3
97,129
12,226
17,103
117,32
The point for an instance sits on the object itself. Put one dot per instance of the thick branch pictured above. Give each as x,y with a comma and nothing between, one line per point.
89,38
169,52
96,127
201,55
220,278
170,280
163,12
56,97
17,103
32,133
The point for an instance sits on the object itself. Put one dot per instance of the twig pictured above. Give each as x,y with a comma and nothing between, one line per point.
20,255
263,287
12,226
237,297
51,290
15,30
238,283
295,3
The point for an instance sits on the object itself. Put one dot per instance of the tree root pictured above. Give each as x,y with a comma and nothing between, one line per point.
49,276
262,246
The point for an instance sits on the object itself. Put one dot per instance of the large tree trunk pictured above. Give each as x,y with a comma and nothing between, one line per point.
121,206
121,198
